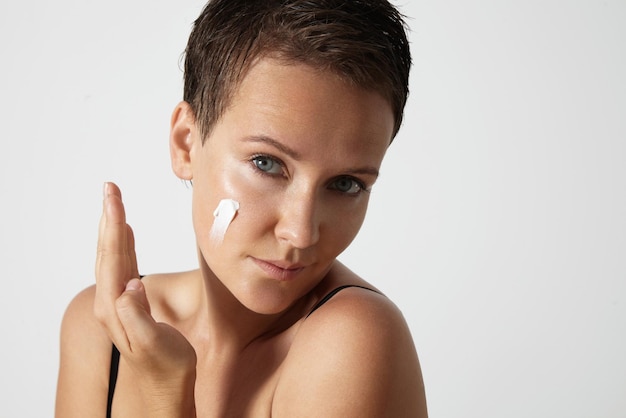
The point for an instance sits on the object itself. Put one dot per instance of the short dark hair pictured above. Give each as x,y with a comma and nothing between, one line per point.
362,41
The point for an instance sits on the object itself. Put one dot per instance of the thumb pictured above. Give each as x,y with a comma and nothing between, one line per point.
137,293
133,310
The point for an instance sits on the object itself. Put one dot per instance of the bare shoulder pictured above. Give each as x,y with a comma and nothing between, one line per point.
84,362
353,357
173,296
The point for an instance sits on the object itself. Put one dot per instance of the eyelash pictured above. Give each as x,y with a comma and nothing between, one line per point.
253,161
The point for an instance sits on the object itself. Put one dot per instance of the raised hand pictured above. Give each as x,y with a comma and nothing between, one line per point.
162,359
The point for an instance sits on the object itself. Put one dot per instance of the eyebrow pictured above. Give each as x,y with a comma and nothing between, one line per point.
274,143
370,171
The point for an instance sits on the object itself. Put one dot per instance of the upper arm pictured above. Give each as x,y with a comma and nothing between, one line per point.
353,358
85,359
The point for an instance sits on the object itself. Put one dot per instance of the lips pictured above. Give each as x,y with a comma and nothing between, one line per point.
279,270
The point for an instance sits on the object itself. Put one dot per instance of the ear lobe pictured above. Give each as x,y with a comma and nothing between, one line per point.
182,134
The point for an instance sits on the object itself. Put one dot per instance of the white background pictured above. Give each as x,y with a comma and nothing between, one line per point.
498,226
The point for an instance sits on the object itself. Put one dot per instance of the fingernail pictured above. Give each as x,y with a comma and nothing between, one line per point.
105,189
133,284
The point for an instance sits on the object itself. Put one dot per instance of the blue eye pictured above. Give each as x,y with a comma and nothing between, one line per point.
347,185
267,164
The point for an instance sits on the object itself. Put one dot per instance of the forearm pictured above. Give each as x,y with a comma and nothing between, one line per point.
176,400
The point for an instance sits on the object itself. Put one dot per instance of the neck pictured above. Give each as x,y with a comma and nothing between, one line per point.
223,323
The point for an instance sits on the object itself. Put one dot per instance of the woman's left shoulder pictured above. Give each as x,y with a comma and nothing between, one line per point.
360,318
354,309
356,353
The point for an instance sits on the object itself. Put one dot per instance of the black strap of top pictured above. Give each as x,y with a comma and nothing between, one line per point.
333,293
115,363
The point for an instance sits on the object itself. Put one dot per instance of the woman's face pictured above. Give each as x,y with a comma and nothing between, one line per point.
299,150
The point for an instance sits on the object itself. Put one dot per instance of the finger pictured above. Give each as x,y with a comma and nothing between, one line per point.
130,239
113,256
113,267
101,227
108,189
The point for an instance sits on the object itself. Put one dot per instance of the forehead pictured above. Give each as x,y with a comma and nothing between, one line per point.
311,108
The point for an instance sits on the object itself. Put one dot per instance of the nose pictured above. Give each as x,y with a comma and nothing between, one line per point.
299,224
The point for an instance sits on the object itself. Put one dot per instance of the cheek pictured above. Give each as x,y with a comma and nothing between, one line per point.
342,225
234,182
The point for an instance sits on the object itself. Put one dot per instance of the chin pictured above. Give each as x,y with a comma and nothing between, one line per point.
268,300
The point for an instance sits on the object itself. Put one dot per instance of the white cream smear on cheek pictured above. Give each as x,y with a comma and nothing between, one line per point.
224,215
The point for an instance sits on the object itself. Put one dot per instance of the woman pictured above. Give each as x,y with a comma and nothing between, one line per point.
289,107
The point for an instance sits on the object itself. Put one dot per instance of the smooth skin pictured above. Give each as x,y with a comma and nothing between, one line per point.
299,149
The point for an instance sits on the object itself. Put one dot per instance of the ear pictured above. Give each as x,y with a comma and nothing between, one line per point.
183,134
